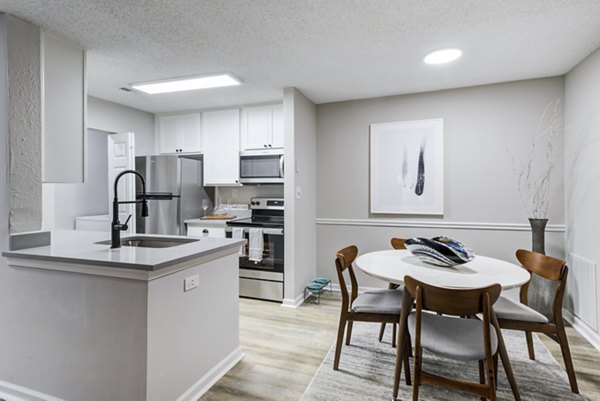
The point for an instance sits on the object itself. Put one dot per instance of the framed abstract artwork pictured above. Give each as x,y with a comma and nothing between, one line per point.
407,167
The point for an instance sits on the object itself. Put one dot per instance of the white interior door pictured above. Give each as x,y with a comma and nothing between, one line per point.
121,156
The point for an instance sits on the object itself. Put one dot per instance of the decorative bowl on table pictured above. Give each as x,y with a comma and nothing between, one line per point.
439,251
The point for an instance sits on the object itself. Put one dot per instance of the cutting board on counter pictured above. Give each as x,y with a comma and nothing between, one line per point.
218,217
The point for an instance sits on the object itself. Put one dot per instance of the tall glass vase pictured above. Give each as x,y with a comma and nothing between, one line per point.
538,234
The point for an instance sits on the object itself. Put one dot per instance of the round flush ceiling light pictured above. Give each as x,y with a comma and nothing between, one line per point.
442,56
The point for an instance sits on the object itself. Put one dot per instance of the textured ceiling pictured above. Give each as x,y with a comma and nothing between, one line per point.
331,50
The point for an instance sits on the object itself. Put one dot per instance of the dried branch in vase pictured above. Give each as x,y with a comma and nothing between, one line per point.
534,168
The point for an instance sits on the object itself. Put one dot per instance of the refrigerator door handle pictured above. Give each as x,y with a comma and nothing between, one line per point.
182,228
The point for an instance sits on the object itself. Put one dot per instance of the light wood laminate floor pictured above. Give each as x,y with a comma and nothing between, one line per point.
285,346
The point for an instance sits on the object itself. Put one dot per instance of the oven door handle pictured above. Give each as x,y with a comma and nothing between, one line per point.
268,231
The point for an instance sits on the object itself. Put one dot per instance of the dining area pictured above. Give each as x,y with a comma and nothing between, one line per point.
455,326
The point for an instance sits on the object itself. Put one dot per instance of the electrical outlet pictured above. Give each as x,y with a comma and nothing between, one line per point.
189,283
234,193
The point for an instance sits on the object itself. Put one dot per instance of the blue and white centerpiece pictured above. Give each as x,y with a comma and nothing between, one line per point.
439,251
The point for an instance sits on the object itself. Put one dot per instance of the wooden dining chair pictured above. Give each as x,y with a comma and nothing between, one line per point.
370,306
397,243
519,316
450,336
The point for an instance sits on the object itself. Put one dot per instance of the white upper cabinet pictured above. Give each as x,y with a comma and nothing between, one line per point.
63,110
221,130
277,138
262,127
179,133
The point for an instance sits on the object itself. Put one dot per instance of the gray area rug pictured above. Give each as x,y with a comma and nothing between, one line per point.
367,370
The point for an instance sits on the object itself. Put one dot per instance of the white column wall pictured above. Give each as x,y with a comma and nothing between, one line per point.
24,119
299,115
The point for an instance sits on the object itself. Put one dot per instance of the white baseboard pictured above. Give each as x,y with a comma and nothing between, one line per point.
582,328
213,376
293,303
11,391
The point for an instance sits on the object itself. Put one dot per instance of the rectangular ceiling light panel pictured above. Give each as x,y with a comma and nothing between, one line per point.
186,84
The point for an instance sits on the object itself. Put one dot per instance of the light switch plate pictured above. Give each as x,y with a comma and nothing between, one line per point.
191,282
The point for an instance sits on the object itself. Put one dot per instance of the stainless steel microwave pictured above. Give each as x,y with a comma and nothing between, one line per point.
261,167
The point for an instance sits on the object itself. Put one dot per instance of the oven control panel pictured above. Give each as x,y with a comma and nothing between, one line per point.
266,203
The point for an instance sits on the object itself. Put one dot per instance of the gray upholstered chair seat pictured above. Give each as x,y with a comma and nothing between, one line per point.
452,337
381,301
507,309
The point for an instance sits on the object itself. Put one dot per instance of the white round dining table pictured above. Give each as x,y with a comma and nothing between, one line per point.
393,265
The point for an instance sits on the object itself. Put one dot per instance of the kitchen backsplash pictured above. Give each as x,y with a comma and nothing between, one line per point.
244,193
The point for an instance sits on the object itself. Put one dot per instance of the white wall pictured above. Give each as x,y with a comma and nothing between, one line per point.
480,185
582,176
24,118
112,117
64,202
299,115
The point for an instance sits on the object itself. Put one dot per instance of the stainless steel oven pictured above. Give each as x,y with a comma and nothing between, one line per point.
262,277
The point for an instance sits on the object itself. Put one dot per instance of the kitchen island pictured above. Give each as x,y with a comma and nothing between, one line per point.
86,322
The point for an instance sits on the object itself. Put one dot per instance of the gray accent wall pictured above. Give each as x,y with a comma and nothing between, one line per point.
112,117
480,124
582,172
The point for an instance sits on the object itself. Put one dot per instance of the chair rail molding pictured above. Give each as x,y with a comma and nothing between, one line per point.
436,224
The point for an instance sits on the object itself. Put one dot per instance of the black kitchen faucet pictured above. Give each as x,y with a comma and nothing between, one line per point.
116,227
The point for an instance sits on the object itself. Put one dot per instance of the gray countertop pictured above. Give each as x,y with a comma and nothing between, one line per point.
78,247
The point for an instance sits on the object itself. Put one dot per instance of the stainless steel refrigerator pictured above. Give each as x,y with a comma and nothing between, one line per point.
174,191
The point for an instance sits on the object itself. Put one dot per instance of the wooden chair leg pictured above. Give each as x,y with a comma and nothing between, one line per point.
403,338
394,326
481,376
417,378
349,332
566,353
407,363
529,338
381,331
491,377
338,344
505,361
496,368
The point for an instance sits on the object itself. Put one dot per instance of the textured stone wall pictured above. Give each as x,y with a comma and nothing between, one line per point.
24,113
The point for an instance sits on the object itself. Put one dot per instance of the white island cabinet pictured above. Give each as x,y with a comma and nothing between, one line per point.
86,322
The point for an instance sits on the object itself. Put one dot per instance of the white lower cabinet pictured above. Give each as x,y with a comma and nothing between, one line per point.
200,231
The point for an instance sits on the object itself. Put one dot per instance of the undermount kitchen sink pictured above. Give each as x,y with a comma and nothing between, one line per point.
151,242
